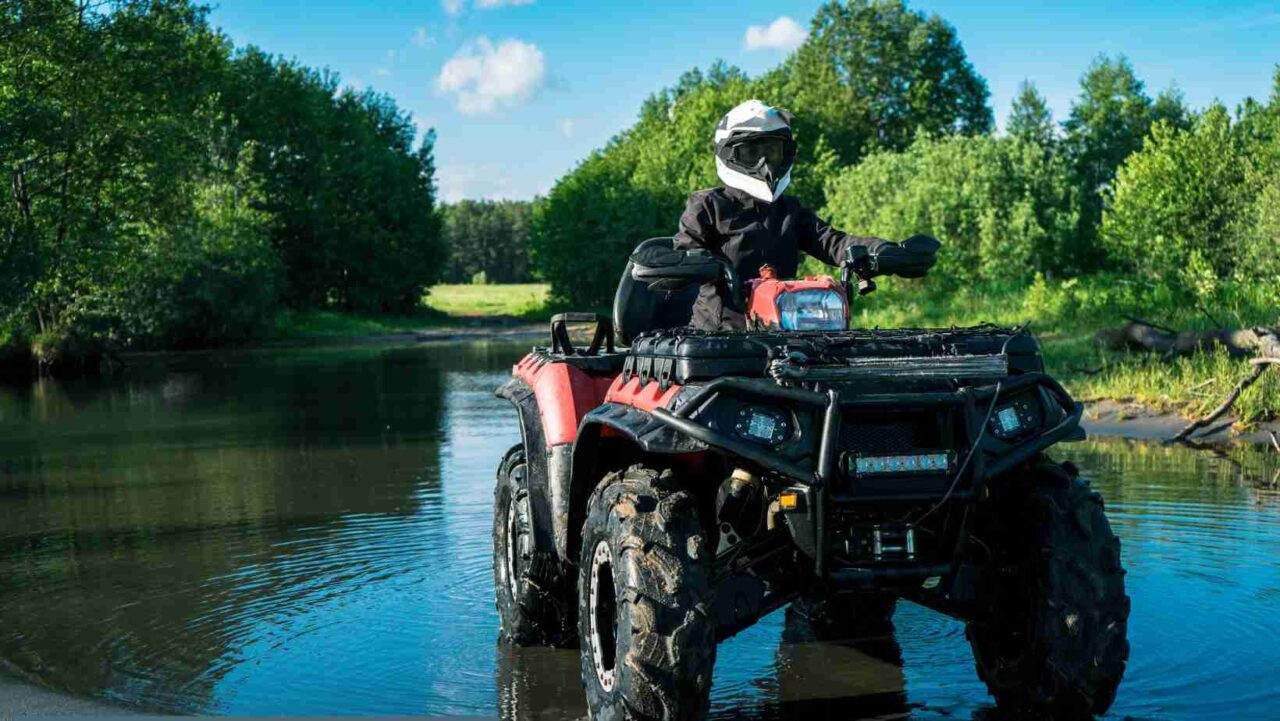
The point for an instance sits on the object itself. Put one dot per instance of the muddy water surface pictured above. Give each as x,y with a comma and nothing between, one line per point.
307,532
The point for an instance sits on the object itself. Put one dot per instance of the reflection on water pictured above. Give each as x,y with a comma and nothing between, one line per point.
307,532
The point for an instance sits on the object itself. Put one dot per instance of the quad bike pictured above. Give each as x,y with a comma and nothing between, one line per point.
669,494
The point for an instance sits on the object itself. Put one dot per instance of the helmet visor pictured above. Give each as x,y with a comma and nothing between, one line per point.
770,151
767,156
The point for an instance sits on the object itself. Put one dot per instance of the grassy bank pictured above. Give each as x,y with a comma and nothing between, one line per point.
1065,317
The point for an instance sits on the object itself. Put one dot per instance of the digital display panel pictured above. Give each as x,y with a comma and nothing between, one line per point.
1008,419
761,426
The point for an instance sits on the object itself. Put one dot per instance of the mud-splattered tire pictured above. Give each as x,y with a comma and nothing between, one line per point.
1055,642
647,637
534,595
839,617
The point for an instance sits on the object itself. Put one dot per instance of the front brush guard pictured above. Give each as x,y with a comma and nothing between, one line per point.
816,479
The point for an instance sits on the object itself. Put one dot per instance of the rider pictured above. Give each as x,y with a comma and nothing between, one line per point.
749,221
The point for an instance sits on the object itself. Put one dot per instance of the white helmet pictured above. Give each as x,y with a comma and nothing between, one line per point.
755,151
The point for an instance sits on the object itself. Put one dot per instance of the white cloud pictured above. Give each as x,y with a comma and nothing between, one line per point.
781,34
382,72
566,127
422,38
484,77
454,7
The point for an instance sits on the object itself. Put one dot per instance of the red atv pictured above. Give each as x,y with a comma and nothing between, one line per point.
668,495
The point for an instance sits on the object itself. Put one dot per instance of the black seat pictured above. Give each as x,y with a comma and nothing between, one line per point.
636,309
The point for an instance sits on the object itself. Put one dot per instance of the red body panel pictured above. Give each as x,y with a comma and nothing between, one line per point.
765,291
646,397
565,394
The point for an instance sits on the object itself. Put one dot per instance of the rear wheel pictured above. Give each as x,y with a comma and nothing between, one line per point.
648,640
1054,638
534,596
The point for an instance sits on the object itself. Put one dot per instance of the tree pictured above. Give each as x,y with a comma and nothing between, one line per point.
1030,119
1180,209
353,200
107,120
158,187
487,237
1170,107
1107,124
871,75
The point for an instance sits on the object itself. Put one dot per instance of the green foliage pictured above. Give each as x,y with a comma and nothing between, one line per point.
165,192
487,240
1003,208
588,224
1030,119
871,75
1185,209
352,199
874,73
1106,125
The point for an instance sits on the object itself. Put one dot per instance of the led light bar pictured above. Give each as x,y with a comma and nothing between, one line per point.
913,464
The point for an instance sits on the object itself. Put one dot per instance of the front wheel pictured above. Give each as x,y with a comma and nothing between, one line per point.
1054,639
648,640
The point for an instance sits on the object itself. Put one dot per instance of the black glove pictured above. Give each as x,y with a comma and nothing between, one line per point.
911,258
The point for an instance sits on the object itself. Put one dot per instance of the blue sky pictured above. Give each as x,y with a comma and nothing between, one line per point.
520,90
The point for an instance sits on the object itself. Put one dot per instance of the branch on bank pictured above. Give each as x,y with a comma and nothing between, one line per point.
1261,342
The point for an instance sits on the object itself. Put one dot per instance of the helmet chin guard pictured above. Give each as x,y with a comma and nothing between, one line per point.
755,187
755,150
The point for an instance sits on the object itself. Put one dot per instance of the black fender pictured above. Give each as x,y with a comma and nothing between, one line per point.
610,438
562,477
537,457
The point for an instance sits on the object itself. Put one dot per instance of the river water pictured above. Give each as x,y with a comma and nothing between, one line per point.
308,532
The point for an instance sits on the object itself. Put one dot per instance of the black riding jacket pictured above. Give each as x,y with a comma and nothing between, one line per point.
751,233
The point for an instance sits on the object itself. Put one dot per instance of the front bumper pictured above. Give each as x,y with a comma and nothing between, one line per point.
982,457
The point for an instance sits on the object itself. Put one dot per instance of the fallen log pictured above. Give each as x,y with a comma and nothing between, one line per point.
1139,335
1261,342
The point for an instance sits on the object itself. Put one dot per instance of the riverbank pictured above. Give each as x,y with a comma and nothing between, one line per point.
1138,394
19,699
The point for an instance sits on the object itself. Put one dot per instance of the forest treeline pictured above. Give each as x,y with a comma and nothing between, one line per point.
896,137
164,189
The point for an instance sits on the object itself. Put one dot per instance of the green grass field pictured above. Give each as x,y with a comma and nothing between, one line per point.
524,300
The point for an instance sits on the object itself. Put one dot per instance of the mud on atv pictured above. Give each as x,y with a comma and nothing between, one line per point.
669,494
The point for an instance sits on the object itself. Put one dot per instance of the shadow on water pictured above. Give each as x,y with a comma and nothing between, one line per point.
308,532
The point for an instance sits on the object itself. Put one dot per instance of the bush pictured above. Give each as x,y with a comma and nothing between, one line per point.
1003,208
1184,209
